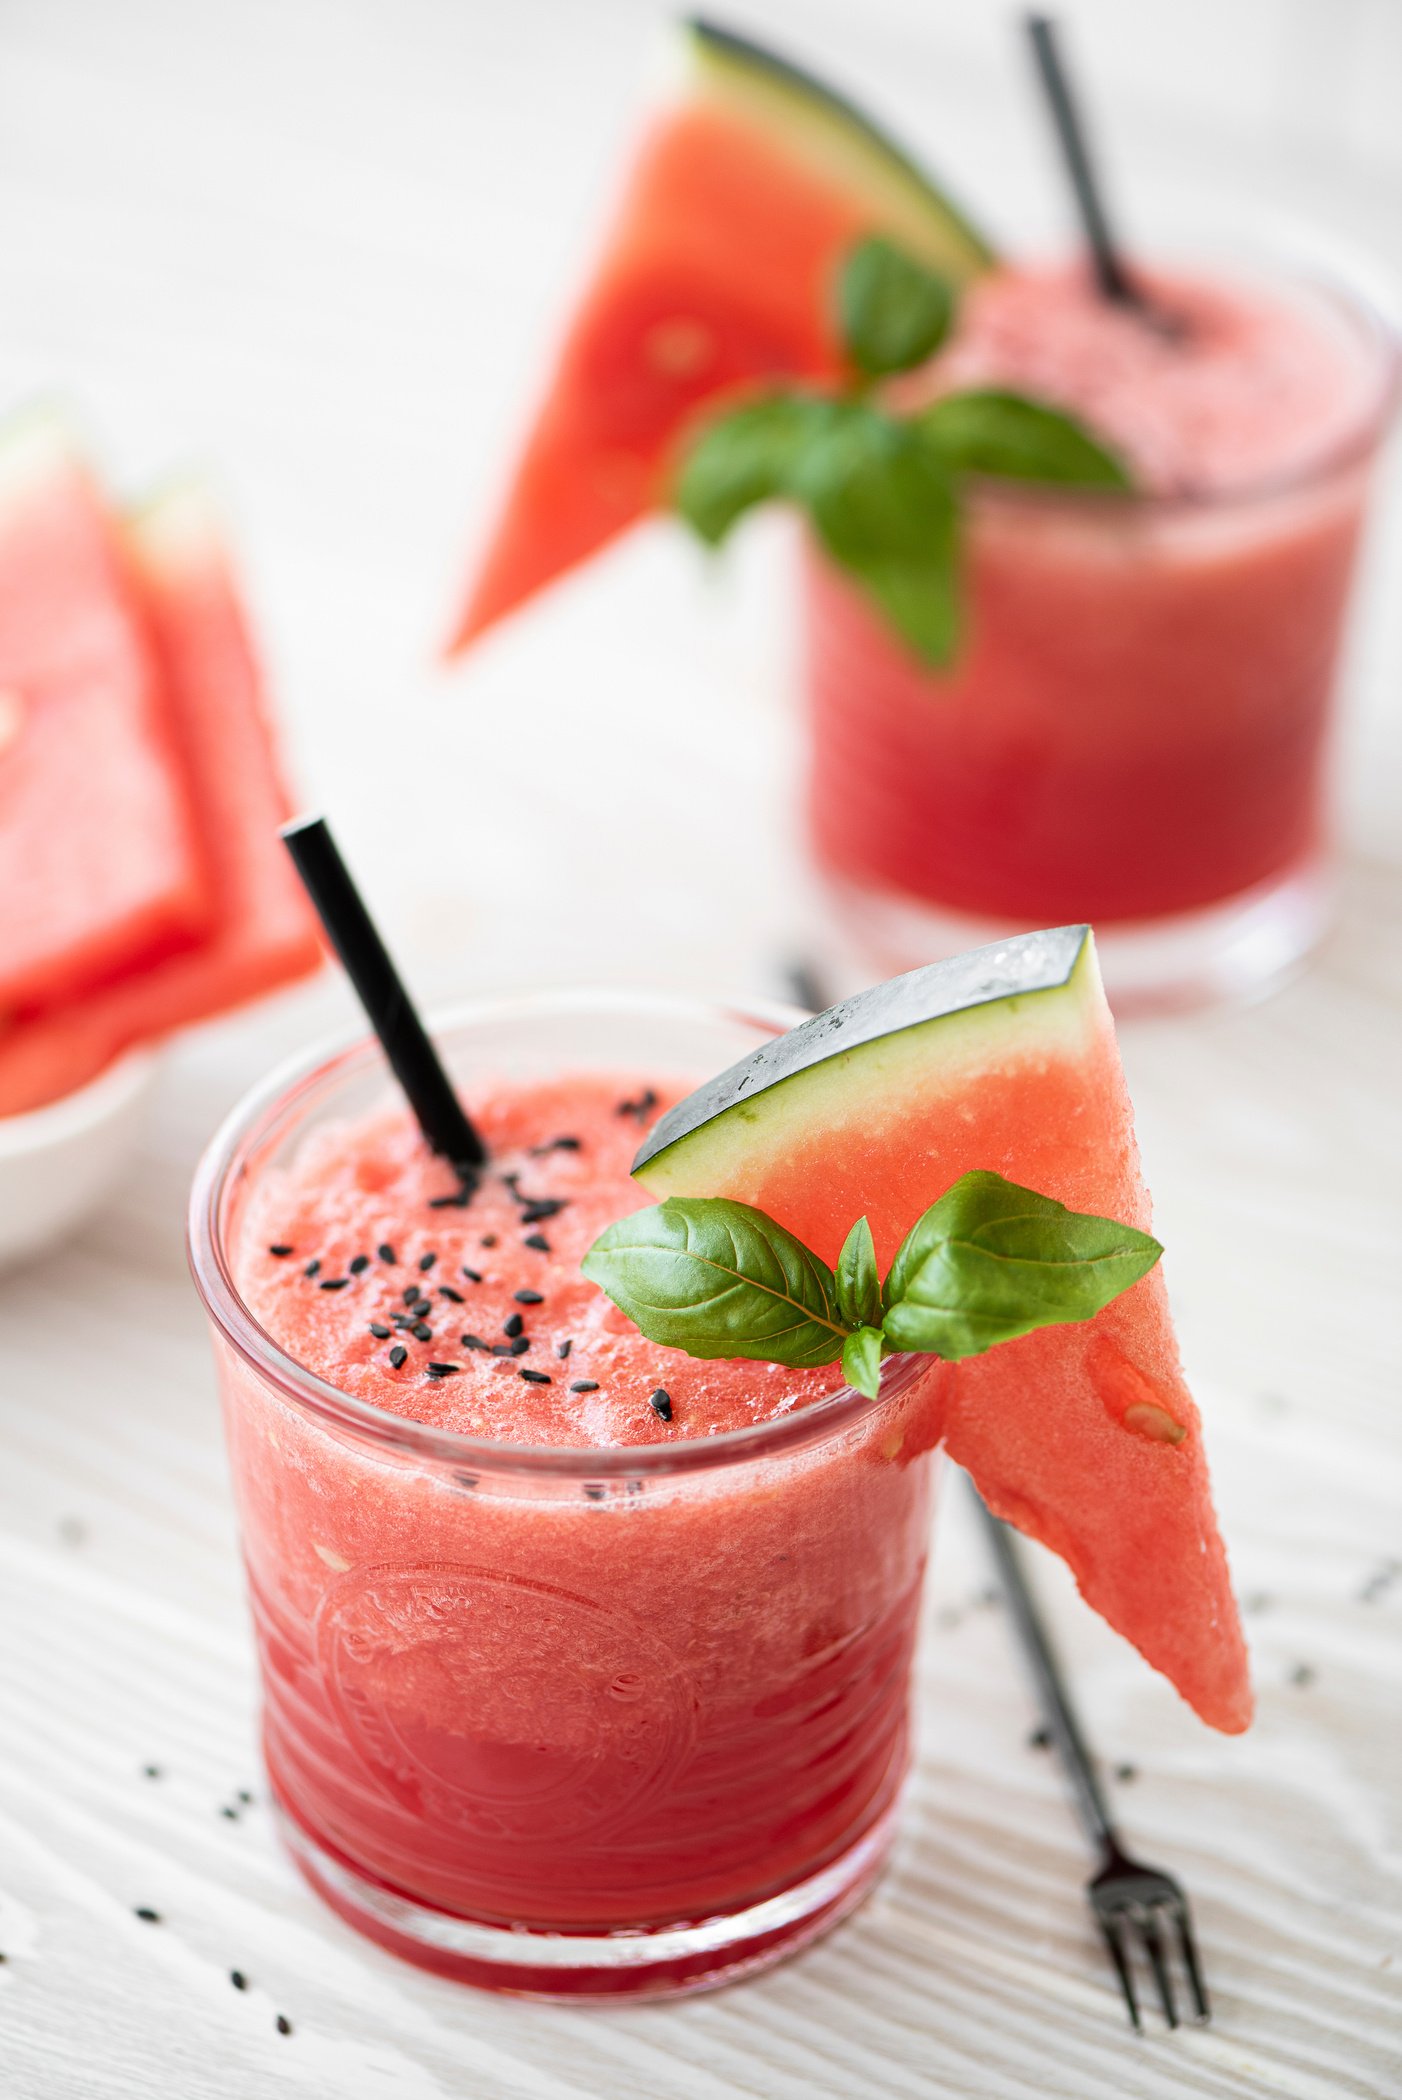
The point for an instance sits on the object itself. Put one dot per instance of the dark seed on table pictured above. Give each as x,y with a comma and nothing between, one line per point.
661,1404
421,1331
244,1796
386,1252
445,1290
489,1239
359,1265
444,1370
333,1283
1126,1773
379,1330
238,1979
1040,1739
229,1813
585,1385
426,1262
152,1772
313,1268
147,1915
528,1297
535,1377
472,1341
398,1355
538,1241
1303,1674
562,1349
512,1325
279,1250
472,1275
284,2025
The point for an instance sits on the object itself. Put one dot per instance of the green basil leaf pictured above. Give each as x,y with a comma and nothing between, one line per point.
989,430
717,1278
745,458
990,1261
861,1360
893,312
858,1278
884,506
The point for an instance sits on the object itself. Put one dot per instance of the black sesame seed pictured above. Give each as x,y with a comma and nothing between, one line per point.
397,1356
238,1979
283,2024
535,1377
379,1330
386,1252
472,1275
421,1331
426,1262
444,1370
472,1341
445,1290
585,1385
147,1915
512,1325
661,1404
489,1239
360,1264
528,1297
562,1349
313,1268
538,1241
333,1283
279,1249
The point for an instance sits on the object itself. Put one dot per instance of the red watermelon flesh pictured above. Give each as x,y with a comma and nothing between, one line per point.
99,865
716,275
264,933
1085,1437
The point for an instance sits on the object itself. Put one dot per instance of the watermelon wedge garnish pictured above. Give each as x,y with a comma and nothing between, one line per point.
100,868
1083,1436
715,275
218,756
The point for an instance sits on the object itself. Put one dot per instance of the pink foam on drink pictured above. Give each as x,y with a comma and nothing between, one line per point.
353,1188
1250,385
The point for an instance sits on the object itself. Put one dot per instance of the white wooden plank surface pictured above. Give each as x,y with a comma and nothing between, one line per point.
319,244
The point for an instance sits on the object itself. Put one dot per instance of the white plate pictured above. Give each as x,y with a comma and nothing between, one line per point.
58,1162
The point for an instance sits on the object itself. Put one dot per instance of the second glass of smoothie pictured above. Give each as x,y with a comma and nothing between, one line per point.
1136,729
585,1663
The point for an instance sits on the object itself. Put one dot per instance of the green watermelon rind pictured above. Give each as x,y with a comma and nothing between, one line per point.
863,1059
821,127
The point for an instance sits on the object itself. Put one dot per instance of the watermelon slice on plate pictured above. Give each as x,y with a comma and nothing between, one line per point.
100,869
1085,1437
715,275
263,933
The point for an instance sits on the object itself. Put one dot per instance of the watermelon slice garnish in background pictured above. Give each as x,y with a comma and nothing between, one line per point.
100,868
1085,1437
716,275
220,755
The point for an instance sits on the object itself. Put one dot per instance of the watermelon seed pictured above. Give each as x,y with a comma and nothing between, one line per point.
284,2025
421,1331
489,1239
444,1370
513,1325
312,1268
333,1283
472,1275
1039,1739
661,1404
445,1290
279,1250
535,1377
1303,1675
641,1108
397,1355
472,1341
538,1241
528,1297
359,1265
563,1349
238,1979
147,1915
585,1385
379,1330
386,1252
1126,1773
426,1262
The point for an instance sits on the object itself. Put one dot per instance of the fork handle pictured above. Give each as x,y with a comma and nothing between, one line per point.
1065,1729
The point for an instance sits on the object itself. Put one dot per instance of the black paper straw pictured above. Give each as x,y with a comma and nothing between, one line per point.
380,990
1111,275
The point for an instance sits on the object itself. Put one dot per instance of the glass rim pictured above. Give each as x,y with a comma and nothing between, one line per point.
291,1087
1362,437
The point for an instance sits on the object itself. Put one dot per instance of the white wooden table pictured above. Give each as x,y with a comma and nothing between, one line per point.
319,244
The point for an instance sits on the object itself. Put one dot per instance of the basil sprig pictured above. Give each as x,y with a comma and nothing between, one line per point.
883,491
989,1261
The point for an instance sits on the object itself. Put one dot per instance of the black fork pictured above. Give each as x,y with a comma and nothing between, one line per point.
1134,1906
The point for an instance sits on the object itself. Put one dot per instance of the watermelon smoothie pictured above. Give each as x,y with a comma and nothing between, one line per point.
585,1664
1135,731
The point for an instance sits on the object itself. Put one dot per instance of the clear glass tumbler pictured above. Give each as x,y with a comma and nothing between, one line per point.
567,1721
1136,732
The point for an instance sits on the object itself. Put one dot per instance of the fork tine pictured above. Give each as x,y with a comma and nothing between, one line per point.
1202,2011
1111,1930
1154,1942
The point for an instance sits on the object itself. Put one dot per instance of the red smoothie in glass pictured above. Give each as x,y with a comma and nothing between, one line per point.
1135,729
631,1699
